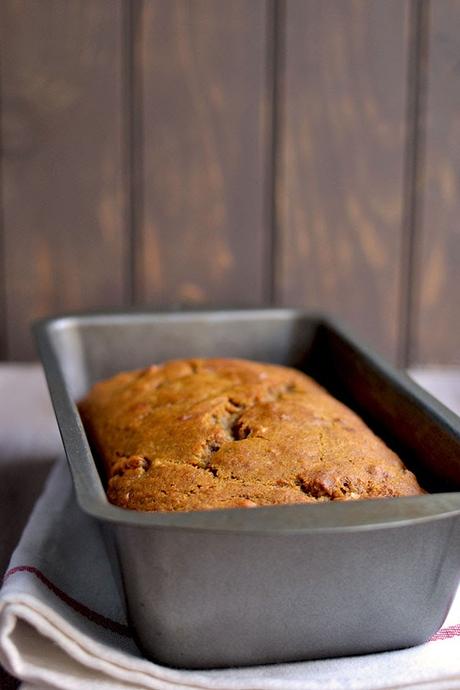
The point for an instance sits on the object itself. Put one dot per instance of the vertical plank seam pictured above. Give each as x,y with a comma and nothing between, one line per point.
3,302
414,174
127,43
134,145
275,65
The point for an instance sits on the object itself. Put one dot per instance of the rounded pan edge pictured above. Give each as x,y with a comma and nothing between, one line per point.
289,519
353,515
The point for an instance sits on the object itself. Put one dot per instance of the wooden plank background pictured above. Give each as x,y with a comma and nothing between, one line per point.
204,100
341,179
63,171
436,334
242,153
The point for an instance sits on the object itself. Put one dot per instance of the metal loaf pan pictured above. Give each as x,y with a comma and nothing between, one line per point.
283,583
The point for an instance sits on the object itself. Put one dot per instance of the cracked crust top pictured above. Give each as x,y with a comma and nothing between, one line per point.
221,433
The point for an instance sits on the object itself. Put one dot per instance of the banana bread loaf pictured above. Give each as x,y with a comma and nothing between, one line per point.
219,433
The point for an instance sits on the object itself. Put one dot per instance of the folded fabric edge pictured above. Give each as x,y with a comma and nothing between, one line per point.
77,606
78,657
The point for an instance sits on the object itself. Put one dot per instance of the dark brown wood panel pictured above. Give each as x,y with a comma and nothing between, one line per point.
62,131
202,192
436,322
2,276
341,162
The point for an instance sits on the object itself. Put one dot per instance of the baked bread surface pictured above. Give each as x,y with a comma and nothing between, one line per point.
219,433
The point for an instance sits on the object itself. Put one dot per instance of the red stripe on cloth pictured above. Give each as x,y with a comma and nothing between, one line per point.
77,606
446,633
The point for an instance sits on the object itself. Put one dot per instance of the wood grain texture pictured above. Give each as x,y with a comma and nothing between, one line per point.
62,131
204,100
436,322
2,274
341,162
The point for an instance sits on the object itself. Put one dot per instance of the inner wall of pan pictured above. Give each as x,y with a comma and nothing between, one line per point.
91,349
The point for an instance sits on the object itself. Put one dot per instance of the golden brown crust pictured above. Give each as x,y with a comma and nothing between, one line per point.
220,433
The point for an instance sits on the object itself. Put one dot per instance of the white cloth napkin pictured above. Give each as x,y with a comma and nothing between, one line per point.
63,624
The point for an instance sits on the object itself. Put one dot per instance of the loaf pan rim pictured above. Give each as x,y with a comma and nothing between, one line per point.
93,500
